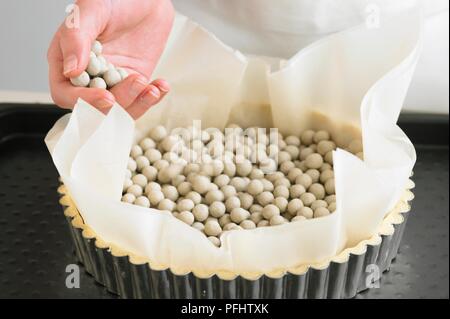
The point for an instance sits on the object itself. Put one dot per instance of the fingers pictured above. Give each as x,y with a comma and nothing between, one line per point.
153,94
129,89
76,38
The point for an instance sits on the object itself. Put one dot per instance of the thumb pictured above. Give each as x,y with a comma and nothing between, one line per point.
89,18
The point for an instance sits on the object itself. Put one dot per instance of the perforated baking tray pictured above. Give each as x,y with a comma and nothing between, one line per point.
36,248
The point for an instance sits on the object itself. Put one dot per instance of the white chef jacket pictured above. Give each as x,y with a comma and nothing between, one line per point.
280,28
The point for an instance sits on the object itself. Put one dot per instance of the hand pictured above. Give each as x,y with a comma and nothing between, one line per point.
133,34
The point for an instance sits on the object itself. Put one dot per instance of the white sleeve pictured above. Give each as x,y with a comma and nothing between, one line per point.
280,30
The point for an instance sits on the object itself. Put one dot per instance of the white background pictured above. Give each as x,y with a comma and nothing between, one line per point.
27,26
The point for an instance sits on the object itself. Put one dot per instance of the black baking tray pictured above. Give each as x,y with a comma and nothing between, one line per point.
31,220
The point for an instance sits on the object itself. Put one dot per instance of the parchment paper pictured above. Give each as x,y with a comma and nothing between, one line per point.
356,78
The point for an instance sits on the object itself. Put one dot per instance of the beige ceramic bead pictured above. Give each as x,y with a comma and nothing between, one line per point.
307,137
155,196
222,180
268,186
256,217
153,155
158,133
293,151
239,184
317,190
185,205
297,190
135,189
170,192
246,200
329,158
263,223
186,217
152,186
217,209
214,240
329,186
150,173
201,212
269,211
247,224
326,175
255,208
230,226
283,157
314,161
294,205
141,162
325,146
282,182
305,180
314,174
293,174
325,167
195,197
224,220
320,212
147,143
132,166
304,153
228,191
255,187
128,198
281,191
321,136
298,218
265,198
136,151
213,196
229,169
281,203
292,140
330,199
232,202
244,168
184,188
142,201
199,226
212,228
307,199
201,184
285,167
167,204
306,212
239,214
256,174
277,220
160,164
319,203
332,207
127,183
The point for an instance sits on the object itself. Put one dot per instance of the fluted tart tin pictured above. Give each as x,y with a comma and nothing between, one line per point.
343,276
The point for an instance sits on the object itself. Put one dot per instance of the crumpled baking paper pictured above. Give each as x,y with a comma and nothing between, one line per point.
356,78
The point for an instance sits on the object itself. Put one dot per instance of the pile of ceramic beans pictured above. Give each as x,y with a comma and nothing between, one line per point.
235,179
99,73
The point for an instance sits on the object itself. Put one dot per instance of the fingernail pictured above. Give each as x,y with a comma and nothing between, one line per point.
164,86
154,91
104,103
138,86
70,63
